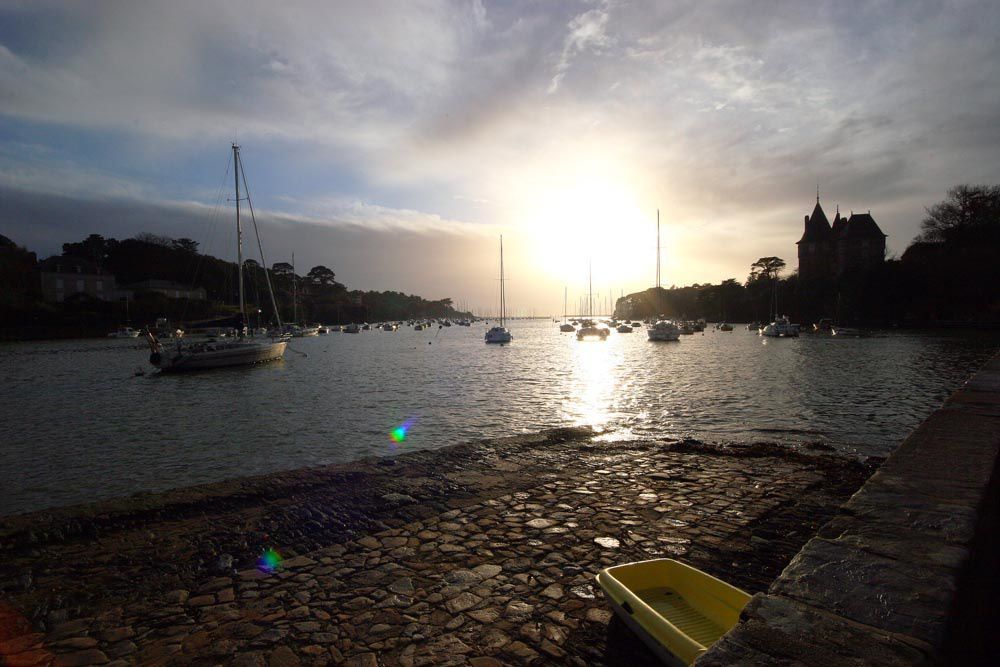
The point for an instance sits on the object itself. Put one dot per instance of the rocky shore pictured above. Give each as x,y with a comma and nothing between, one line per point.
479,554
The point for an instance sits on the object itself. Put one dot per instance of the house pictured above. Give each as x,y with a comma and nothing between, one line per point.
63,276
170,289
848,245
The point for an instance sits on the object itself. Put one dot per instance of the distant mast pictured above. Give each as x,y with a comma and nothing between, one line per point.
503,295
659,306
590,294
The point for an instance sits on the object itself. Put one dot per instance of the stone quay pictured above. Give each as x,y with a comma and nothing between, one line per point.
475,554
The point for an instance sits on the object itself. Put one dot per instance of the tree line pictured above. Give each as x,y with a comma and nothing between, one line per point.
948,275
316,296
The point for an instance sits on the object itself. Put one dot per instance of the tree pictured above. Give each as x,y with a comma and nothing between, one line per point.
154,239
970,214
94,247
281,269
185,245
765,267
321,275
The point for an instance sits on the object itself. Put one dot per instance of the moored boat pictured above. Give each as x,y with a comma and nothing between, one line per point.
781,327
664,330
499,334
239,350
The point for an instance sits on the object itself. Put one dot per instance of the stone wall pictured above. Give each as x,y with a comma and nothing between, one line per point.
906,573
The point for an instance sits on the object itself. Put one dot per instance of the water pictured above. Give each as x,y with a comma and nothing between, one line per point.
79,425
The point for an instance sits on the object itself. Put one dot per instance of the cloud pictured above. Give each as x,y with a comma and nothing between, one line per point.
459,117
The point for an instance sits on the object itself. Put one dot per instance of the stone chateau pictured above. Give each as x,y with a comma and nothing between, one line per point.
849,244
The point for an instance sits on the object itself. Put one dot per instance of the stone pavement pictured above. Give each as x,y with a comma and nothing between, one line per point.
907,572
480,554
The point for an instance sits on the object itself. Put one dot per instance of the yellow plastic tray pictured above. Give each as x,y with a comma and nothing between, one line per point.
677,610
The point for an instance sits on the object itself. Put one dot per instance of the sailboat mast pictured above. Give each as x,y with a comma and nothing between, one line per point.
239,230
295,293
565,295
590,288
503,295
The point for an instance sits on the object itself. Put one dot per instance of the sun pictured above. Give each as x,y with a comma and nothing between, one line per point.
594,221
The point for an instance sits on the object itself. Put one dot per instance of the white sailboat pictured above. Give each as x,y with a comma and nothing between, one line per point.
243,349
589,328
662,330
565,327
500,334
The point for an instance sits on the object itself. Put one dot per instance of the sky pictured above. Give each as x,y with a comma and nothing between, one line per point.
394,142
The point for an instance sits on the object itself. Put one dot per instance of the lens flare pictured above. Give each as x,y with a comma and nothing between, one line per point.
398,434
269,561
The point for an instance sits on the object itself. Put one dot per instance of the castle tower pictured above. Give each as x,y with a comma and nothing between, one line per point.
816,246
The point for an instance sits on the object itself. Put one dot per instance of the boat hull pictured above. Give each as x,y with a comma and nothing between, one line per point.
172,361
499,335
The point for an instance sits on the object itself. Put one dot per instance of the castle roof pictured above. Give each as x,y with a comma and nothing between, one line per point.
817,227
861,226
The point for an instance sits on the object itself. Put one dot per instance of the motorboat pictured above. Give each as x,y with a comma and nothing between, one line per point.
124,332
352,328
591,330
725,327
664,330
781,327
623,328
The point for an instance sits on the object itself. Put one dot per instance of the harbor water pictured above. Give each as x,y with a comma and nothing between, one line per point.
90,419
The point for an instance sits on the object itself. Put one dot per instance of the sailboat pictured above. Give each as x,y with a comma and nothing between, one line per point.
780,327
500,334
589,328
125,331
662,330
565,327
240,350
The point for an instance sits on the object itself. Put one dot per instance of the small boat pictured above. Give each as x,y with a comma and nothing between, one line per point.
352,328
124,332
686,329
725,327
418,327
499,334
664,330
849,332
565,327
388,327
781,327
825,325
323,330
591,330
623,328
677,610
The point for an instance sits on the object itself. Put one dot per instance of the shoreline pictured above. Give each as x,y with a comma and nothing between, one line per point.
738,511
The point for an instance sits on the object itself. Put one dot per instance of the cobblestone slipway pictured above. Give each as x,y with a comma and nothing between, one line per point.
479,554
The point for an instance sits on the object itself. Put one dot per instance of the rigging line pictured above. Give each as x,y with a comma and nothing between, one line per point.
199,261
267,275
